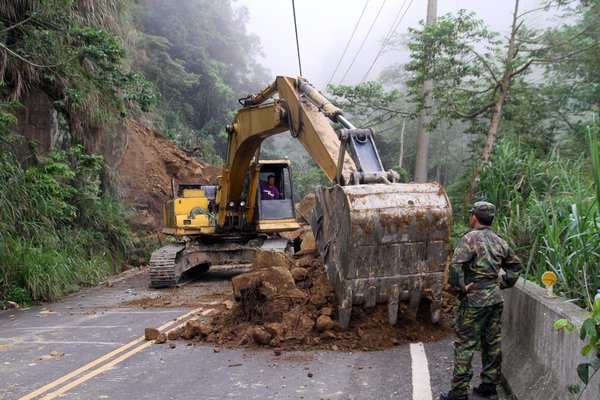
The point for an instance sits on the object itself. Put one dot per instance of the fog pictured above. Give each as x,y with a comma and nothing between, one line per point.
325,27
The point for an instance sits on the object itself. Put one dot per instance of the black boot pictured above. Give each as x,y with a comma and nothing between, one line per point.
486,390
452,396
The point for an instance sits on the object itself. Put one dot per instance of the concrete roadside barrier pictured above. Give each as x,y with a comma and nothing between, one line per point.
540,362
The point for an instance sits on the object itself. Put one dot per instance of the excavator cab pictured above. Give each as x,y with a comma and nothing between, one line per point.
275,203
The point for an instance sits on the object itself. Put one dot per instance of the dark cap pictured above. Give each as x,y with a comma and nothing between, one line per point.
483,208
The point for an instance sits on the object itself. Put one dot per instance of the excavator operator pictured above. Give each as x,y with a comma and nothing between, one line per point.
268,191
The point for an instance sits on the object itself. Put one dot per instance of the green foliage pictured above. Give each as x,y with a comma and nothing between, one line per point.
58,230
72,50
548,208
200,58
590,332
448,53
306,180
19,295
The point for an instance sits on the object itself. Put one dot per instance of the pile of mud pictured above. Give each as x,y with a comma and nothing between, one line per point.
146,169
287,303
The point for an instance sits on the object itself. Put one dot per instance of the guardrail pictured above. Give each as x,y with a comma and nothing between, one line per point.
540,362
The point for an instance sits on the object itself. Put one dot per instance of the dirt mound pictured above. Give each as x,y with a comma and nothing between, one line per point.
147,167
271,311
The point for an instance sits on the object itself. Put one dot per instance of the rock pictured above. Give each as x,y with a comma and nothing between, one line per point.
304,207
279,277
205,329
329,335
324,323
11,305
261,336
310,375
306,261
151,333
269,258
305,325
217,349
277,351
172,345
275,329
298,294
268,290
308,242
196,328
175,334
327,311
318,300
54,353
162,338
334,347
244,282
229,304
299,274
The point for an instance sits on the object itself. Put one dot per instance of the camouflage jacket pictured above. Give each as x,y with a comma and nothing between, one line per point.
485,259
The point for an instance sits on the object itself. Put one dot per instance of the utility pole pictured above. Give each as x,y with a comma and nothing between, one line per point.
424,116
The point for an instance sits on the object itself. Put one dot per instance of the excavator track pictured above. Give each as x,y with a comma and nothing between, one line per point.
169,265
163,266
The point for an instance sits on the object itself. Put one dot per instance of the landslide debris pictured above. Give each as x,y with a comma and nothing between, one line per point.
286,303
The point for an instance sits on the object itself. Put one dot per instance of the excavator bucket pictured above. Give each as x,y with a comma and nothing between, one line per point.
383,243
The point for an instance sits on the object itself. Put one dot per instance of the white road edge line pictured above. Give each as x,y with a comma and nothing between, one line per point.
421,381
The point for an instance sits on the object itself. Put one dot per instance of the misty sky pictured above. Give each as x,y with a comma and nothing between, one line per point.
325,26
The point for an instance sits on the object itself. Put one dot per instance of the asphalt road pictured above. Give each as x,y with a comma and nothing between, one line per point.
89,347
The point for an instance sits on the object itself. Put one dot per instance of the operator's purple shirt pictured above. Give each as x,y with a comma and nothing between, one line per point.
268,193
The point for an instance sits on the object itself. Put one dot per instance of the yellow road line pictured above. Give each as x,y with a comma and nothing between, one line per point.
106,366
105,357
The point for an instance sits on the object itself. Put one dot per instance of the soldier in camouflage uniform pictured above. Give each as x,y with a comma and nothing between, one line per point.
482,265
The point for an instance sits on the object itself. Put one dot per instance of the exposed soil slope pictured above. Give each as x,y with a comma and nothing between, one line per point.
149,163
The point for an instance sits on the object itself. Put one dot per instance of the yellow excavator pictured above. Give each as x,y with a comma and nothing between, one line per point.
381,241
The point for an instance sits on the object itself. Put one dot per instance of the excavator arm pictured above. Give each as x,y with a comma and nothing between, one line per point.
303,111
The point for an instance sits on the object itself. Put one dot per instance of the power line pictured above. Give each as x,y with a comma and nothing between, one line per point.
297,43
347,44
363,42
388,37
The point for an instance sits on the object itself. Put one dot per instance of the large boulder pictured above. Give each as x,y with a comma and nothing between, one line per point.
269,258
278,277
308,242
303,209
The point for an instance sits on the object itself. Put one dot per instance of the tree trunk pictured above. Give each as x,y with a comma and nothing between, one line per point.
497,114
400,158
424,115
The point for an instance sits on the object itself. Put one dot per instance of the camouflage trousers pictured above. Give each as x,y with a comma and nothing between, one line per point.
476,327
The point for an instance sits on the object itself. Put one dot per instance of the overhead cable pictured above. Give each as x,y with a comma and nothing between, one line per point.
363,42
347,44
297,42
388,37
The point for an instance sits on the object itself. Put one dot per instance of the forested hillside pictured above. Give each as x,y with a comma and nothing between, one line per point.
72,74
512,120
